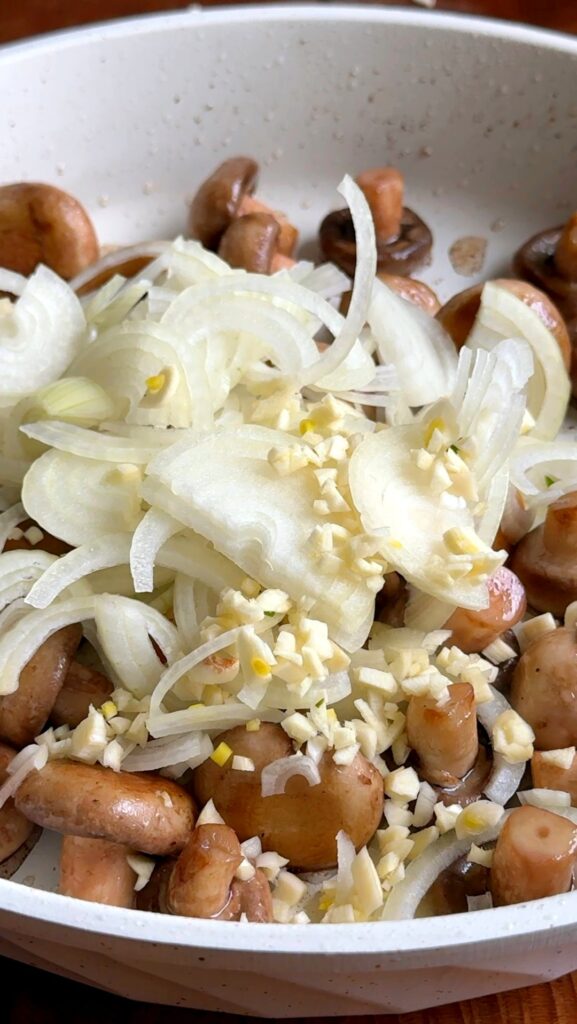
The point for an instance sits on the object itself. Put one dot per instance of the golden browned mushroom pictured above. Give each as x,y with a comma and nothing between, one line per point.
146,812
301,823
403,240
24,712
250,243
545,560
42,224
218,199
534,856
543,689
15,829
472,631
202,883
97,871
82,687
548,775
444,735
457,316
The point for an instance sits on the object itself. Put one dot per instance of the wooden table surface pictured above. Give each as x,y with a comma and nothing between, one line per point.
32,997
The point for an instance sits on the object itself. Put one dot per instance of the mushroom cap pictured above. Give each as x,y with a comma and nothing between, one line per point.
475,630
413,291
400,256
43,224
217,200
535,262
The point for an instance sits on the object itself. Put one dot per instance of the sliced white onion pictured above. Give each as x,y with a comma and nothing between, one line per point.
505,778
550,799
110,550
19,570
125,629
20,641
366,268
190,606
192,749
40,337
151,533
10,519
68,437
116,258
416,344
346,854
78,499
192,556
403,900
274,776
30,759
503,315
12,282
557,458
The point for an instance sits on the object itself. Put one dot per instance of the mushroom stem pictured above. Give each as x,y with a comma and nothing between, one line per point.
565,256
444,735
534,856
97,871
547,775
383,188
250,242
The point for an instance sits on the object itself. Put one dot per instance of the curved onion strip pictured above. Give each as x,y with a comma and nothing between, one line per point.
19,570
190,607
116,259
184,665
505,779
109,550
404,899
194,749
40,336
151,533
540,456
346,854
125,629
19,642
274,776
9,520
366,268
13,471
494,506
12,282
89,444
208,719
34,760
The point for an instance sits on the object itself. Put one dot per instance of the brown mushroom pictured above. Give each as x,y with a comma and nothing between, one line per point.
403,240
408,288
82,687
42,224
516,521
15,829
444,734
287,235
301,823
472,631
548,775
534,856
457,316
543,689
218,199
549,260
250,243
24,712
97,871
545,560
392,600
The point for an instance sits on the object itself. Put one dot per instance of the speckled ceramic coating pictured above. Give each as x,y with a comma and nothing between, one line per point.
482,119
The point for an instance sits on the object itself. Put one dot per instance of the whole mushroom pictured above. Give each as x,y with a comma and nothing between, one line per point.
545,560
403,240
250,243
216,202
302,822
43,224
472,631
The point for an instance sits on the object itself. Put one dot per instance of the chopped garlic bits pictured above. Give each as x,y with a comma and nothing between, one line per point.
513,737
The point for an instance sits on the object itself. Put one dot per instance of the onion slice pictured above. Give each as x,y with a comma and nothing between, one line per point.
193,748
505,779
151,533
274,776
31,758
